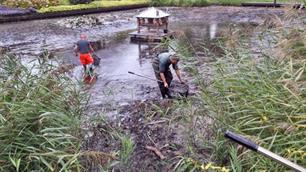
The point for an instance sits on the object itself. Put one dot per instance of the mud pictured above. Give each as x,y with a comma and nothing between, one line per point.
149,123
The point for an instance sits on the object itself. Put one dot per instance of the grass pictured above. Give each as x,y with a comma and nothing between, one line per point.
64,2
94,4
259,101
127,148
40,111
66,6
262,99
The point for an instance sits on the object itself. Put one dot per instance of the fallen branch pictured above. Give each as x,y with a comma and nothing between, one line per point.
156,151
157,122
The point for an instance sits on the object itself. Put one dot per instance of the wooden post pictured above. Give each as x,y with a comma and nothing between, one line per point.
166,25
139,50
274,3
158,26
138,25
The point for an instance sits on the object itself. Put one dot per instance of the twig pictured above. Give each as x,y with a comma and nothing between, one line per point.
156,151
156,122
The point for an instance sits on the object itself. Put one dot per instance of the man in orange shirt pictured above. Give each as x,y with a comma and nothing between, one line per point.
84,49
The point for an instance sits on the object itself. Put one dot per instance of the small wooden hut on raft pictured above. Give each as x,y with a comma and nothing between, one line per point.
152,26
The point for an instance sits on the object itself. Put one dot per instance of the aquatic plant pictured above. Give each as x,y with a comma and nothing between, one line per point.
260,97
30,3
94,4
40,110
264,101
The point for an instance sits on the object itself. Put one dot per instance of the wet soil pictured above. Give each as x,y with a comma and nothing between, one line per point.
151,123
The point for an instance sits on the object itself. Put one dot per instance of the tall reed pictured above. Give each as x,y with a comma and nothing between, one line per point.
40,110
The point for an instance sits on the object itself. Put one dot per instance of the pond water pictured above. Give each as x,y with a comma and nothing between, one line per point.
116,86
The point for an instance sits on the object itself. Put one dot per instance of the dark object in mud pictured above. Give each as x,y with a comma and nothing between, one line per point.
96,59
179,90
7,11
74,2
263,4
97,45
4,50
90,79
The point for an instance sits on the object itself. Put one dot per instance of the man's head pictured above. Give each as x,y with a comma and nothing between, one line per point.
174,59
83,36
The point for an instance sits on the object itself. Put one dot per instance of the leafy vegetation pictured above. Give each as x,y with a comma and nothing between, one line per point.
262,98
64,2
40,110
263,101
94,4
30,3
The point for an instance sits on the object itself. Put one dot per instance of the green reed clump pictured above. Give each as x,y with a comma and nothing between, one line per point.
40,111
127,149
264,101
189,164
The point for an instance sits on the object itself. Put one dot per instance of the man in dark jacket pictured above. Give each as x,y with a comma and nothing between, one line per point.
161,65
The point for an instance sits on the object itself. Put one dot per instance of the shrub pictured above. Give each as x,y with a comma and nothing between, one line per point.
80,1
31,3
156,2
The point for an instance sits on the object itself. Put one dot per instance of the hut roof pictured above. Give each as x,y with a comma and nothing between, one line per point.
153,13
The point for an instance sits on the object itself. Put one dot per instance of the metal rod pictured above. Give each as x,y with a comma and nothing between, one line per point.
280,159
253,146
144,76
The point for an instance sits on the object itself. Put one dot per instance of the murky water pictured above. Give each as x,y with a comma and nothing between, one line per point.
115,84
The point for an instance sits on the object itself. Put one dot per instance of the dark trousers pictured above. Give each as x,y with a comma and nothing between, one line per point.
168,75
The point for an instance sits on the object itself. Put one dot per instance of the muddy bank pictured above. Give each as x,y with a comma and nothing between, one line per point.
154,126
61,34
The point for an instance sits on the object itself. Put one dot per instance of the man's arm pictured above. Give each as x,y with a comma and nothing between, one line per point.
76,49
163,78
178,74
91,48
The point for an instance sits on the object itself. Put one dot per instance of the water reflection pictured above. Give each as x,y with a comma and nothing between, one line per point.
147,50
213,30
